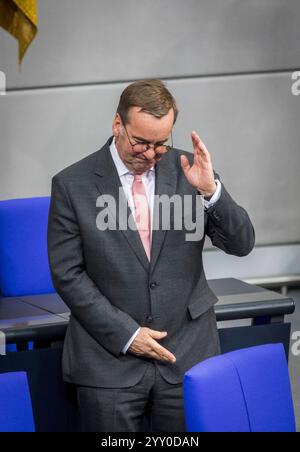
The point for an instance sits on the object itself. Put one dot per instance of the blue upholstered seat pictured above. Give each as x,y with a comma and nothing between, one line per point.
24,268
243,391
15,403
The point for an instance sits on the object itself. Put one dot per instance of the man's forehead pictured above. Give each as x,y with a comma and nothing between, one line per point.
137,115
143,123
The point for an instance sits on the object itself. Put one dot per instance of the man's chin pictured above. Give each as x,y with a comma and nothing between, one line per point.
146,164
140,167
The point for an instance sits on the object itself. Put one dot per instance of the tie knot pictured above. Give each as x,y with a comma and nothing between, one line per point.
138,178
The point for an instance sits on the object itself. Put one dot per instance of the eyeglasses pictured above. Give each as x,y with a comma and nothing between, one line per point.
141,147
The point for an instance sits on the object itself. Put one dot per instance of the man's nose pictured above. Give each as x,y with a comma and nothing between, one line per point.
150,154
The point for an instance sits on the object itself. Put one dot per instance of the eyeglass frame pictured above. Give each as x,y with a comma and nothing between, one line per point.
148,145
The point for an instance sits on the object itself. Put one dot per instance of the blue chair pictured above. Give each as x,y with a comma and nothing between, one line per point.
243,391
24,267
15,403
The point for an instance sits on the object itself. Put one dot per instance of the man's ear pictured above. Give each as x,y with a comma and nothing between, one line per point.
117,126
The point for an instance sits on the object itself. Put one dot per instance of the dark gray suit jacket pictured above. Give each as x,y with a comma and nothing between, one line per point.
112,289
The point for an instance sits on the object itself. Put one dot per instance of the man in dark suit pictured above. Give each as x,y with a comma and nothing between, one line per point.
141,309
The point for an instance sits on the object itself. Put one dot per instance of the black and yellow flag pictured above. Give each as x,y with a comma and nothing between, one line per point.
19,18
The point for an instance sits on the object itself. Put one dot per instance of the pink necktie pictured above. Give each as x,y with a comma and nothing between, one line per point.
142,212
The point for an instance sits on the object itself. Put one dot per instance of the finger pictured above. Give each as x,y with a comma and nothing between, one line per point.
198,143
164,354
185,164
157,334
196,140
199,155
155,355
162,357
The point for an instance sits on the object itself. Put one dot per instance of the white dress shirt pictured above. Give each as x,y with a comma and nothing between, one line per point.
126,178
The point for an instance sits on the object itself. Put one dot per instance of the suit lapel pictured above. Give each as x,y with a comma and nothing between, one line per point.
109,183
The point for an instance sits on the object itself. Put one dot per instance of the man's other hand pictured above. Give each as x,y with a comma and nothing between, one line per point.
201,174
145,344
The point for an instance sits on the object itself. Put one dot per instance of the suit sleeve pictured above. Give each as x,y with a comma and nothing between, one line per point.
229,226
109,326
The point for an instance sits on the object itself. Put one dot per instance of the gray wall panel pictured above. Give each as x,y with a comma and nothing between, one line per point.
263,262
97,40
249,124
251,127
44,131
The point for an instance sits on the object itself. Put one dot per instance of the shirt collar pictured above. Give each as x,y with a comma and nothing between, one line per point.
120,165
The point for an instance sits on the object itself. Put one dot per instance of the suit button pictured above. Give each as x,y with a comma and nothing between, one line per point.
149,319
153,285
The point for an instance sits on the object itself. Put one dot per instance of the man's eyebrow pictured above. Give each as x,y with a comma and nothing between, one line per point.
146,141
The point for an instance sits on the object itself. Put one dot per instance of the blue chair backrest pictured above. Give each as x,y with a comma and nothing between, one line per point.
243,391
24,267
15,403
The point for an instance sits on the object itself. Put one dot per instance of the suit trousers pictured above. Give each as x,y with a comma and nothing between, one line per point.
151,405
